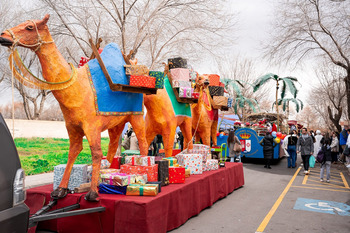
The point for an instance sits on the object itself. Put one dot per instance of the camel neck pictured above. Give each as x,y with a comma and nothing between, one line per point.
54,67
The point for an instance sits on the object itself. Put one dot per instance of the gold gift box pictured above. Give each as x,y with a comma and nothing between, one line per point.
142,190
187,172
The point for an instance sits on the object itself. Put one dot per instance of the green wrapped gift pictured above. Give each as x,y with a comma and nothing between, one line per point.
172,161
159,78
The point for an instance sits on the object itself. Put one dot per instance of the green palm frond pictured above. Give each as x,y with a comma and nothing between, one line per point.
279,102
262,80
299,105
232,83
289,82
241,101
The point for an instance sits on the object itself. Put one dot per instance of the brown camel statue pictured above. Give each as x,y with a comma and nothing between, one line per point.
76,102
204,117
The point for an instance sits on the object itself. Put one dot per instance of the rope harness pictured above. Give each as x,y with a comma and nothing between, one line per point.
28,79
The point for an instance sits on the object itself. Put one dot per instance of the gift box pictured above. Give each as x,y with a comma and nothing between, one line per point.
159,157
195,95
106,171
199,149
212,164
185,92
176,175
222,84
157,183
142,190
117,179
187,172
140,179
117,161
163,172
140,160
229,102
193,75
105,164
159,78
151,171
142,81
177,62
172,161
216,91
137,70
180,83
214,80
194,162
180,74
220,100
111,189
78,175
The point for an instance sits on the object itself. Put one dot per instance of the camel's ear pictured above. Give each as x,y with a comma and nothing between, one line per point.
44,20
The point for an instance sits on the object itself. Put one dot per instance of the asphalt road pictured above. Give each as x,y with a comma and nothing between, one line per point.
245,209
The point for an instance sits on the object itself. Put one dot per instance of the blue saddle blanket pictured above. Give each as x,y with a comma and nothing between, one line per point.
108,102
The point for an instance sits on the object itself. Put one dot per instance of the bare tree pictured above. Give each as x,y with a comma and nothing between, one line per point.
152,29
313,28
328,99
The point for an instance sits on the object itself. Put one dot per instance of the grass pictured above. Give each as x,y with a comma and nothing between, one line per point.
40,155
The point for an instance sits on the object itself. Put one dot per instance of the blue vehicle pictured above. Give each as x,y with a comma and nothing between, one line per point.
250,144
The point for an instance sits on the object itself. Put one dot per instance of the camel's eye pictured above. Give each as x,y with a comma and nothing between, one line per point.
29,27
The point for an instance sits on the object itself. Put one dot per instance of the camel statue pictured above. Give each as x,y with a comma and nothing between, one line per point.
161,119
76,102
204,117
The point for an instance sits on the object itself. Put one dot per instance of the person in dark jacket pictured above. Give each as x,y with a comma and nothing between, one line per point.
268,144
180,140
159,142
305,146
327,159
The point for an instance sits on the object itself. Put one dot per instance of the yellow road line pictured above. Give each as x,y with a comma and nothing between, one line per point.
272,211
305,179
328,185
344,191
344,180
332,179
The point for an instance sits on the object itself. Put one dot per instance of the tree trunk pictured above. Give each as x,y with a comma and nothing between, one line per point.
347,85
336,119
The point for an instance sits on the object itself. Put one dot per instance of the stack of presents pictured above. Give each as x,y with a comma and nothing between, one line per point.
140,76
217,90
183,79
138,175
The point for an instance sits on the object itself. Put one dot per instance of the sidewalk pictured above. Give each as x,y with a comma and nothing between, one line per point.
38,180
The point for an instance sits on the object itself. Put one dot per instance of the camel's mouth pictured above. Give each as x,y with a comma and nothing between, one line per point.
5,42
206,83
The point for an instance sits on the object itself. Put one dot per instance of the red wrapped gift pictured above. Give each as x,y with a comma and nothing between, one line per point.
176,175
195,95
151,171
214,80
142,81
222,84
116,162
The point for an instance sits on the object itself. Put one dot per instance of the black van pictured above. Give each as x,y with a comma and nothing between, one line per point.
14,214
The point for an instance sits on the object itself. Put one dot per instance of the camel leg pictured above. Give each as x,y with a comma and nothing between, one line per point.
75,147
186,129
213,130
114,134
138,124
168,140
205,136
197,137
94,138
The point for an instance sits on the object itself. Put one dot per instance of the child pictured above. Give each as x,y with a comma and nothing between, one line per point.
327,159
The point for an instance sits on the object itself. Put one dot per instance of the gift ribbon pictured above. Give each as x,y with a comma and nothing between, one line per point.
133,160
141,190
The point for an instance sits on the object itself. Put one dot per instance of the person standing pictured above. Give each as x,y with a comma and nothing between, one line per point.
134,143
342,141
235,147
317,144
327,159
181,140
290,144
159,142
305,146
268,144
335,147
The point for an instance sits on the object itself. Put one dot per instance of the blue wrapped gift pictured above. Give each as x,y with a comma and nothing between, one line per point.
111,189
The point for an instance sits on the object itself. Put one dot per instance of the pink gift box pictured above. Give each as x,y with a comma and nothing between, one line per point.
151,171
185,92
140,160
211,165
191,161
180,74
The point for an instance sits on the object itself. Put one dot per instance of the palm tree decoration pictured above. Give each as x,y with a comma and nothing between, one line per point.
299,105
235,84
287,82
242,101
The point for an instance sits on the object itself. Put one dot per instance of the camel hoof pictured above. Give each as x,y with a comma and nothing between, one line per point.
92,196
59,193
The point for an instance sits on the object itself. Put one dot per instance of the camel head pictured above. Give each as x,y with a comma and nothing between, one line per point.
29,34
202,81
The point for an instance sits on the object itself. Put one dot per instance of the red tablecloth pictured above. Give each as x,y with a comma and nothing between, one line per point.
168,210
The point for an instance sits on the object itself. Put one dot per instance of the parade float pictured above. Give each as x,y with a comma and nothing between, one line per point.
139,193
